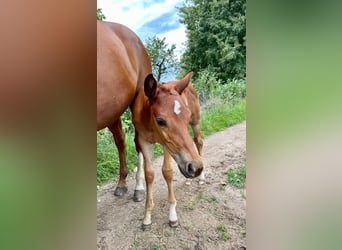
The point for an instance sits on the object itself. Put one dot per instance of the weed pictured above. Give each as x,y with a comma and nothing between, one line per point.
189,207
222,232
237,177
212,199
155,246
186,226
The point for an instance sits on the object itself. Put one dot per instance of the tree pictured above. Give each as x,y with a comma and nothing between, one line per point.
163,58
100,15
216,32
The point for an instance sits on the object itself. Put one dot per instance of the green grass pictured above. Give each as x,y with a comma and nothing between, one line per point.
155,246
221,115
108,158
237,177
222,232
107,155
217,116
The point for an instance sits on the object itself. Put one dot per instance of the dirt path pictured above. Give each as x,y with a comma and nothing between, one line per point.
201,209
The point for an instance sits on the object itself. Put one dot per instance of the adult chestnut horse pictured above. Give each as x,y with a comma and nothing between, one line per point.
161,115
122,65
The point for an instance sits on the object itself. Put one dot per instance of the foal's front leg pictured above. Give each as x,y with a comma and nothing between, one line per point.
147,150
168,176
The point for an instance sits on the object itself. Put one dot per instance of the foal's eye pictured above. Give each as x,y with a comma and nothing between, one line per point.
161,122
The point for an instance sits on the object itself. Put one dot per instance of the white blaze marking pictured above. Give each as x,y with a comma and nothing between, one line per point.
173,214
176,108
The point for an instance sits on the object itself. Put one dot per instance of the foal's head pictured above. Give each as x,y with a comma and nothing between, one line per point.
170,120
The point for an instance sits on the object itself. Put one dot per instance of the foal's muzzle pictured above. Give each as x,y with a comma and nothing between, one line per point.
191,169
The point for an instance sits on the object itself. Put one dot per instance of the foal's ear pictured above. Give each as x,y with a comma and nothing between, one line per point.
182,84
150,86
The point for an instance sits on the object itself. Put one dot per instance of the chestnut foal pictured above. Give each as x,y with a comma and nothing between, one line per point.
161,115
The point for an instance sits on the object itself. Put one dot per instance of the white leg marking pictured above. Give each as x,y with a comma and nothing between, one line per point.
176,108
202,178
173,213
140,177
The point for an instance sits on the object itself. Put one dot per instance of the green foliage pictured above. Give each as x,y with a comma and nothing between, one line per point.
126,120
209,87
216,32
205,85
162,57
237,177
100,15
108,158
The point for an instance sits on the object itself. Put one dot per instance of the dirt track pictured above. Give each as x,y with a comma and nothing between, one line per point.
200,208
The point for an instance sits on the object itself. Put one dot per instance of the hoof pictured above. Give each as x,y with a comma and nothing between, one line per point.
173,223
146,227
139,195
120,191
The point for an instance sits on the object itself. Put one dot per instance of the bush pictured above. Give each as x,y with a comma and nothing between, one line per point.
209,87
205,85
231,91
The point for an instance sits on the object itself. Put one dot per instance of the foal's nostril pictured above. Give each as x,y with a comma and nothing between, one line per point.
190,169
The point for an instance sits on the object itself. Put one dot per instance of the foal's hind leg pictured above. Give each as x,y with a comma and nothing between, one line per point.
119,138
139,190
198,138
199,145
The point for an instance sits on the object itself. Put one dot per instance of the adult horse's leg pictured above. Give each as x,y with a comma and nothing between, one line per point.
147,150
119,138
199,144
168,176
139,190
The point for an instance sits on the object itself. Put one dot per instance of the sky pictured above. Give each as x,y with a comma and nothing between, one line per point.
147,18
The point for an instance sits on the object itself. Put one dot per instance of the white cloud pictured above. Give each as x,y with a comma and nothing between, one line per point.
177,37
133,14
